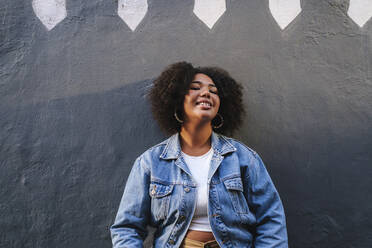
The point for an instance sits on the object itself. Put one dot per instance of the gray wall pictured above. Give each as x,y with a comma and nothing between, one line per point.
74,114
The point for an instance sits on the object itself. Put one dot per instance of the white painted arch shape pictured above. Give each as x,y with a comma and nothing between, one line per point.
360,11
285,11
209,11
132,12
50,12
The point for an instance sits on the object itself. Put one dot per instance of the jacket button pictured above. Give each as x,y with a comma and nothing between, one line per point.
171,241
182,218
187,190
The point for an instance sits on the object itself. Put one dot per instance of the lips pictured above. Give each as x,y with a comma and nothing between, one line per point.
204,103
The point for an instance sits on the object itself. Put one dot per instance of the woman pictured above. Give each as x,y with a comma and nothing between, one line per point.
199,188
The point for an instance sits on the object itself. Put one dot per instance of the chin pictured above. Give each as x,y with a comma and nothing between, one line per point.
206,118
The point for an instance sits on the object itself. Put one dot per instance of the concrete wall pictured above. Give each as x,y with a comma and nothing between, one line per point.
74,116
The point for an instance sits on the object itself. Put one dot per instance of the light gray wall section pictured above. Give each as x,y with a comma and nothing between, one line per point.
74,116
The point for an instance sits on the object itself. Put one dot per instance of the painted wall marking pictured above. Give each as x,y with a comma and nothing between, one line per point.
360,11
132,12
50,12
284,11
209,11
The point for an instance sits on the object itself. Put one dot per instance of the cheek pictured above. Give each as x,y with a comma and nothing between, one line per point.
186,103
218,102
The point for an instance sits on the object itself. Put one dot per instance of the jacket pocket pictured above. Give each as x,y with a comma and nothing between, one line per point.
160,198
235,190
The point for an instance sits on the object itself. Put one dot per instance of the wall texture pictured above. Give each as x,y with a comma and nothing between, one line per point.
74,113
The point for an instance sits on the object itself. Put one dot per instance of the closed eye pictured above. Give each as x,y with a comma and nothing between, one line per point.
213,91
196,86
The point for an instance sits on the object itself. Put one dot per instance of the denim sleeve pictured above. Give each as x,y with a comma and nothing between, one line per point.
271,230
130,226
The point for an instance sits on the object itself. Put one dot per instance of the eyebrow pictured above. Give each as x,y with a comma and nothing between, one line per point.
198,82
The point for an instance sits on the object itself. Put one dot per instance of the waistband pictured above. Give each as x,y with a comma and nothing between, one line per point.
190,243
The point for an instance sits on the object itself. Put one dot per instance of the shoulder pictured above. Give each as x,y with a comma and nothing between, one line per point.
249,160
145,161
240,147
245,155
155,151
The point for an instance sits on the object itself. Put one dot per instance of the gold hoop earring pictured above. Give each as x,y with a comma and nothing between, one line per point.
178,119
221,122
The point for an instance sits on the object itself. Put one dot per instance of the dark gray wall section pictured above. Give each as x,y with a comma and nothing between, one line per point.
74,116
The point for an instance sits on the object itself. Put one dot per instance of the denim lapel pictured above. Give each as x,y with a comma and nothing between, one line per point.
220,145
172,151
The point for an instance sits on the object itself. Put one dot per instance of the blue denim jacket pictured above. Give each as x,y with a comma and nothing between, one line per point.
244,207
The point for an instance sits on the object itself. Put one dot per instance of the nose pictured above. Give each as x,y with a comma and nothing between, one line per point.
205,92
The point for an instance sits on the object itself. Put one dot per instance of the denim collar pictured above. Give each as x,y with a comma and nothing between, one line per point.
220,145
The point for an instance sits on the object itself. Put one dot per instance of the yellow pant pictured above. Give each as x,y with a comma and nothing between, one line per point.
190,243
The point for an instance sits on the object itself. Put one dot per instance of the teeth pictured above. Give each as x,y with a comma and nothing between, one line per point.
205,104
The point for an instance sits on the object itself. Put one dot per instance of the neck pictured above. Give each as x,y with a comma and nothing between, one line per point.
195,140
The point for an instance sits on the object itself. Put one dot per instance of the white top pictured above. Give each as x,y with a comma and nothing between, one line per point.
199,167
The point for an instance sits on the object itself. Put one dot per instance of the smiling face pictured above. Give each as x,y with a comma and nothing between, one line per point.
202,102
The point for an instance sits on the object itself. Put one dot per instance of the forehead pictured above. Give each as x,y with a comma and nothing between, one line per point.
202,78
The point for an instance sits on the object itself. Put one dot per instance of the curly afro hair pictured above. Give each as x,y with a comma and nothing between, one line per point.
169,90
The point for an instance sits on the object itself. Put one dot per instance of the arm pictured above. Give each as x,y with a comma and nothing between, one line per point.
129,228
271,228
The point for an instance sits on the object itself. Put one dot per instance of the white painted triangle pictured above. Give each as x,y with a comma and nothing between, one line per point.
360,11
132,12
209,11
50,12
285,11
